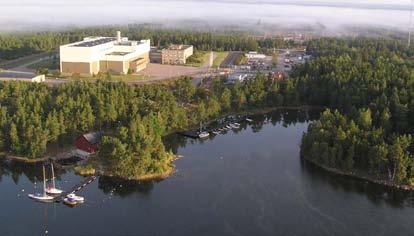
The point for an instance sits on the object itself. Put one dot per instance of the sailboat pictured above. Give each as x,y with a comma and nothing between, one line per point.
202,134
39,196
52,190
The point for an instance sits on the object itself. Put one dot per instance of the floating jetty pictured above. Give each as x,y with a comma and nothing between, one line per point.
224,125
76,188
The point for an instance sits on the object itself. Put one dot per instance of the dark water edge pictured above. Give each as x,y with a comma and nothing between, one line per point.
246,182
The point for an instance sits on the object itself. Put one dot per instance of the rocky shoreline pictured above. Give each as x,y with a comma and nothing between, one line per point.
370,179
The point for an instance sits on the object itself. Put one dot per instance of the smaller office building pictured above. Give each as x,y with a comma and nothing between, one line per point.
176,54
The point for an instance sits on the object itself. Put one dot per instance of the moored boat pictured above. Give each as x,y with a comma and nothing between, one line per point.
234,126
74,197
42,197
203,134
70,202
52,190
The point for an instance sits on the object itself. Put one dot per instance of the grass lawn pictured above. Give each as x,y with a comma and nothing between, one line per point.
198,58
220,56
128,77
51,64
243,60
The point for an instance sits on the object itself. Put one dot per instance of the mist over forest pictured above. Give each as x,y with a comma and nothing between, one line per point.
266,15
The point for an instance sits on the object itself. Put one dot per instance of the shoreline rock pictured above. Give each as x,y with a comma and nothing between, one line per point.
361,177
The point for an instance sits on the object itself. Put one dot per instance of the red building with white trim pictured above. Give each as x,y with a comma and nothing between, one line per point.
88,142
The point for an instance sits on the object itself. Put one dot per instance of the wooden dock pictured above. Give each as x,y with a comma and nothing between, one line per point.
76,188
194,133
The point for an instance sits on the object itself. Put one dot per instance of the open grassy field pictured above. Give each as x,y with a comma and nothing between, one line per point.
51,64
198,58
220,56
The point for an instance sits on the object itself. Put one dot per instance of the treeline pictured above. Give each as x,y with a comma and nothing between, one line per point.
357,146
18,45
370,82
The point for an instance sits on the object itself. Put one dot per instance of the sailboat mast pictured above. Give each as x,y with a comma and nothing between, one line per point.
53,177
44,181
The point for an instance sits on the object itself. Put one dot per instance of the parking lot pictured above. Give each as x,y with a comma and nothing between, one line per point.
159,71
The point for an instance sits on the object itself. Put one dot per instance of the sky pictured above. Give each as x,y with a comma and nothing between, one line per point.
333,14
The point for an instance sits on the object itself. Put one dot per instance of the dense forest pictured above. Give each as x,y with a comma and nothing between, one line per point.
134,117
18,45
369,84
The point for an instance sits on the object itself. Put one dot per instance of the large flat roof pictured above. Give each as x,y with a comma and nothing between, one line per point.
95,42
118,53
17,75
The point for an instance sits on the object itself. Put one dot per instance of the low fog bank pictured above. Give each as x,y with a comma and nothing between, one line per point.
323,16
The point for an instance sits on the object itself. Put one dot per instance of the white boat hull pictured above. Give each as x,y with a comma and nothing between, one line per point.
41,198
75,197
53,191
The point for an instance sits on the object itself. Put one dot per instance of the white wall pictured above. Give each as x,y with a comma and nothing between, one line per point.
69,53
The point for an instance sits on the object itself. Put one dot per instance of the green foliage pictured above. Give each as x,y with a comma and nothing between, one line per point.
134,118
371,82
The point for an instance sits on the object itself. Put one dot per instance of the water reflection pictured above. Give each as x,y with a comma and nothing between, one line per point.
124,188
286,117
376,194
33,172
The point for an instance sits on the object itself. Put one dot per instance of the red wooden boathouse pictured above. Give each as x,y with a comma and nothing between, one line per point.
88,142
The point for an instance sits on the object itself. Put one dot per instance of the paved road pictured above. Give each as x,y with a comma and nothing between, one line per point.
230,59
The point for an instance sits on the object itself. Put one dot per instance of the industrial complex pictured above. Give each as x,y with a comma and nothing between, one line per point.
119,55
104,54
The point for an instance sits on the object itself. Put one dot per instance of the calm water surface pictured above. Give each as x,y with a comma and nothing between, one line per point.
252,182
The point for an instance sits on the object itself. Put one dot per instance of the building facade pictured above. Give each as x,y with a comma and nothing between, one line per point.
104,54
155,55
176,54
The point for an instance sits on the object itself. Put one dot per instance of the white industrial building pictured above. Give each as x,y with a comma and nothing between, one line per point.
103,54
236,77
255,55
